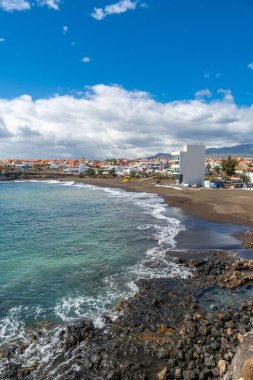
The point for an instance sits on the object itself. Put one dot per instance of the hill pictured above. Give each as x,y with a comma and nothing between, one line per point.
243,150
162,156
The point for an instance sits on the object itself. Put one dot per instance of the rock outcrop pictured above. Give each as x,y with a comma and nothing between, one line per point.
164,332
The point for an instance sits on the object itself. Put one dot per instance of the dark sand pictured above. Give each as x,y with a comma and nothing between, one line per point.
233,206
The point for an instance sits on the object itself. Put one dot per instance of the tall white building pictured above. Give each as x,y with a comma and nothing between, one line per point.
189,165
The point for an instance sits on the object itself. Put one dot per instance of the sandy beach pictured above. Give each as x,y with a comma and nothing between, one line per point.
233,206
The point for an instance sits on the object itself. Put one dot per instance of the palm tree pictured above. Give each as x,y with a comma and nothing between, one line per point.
229,166
217,169
208,166
245,179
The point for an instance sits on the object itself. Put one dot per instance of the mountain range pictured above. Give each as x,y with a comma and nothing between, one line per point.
161,156
243,150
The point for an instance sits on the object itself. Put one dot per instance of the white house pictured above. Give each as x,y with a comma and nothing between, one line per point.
189,165
131,169
119,170
83,169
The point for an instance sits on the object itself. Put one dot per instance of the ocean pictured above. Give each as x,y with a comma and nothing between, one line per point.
70,250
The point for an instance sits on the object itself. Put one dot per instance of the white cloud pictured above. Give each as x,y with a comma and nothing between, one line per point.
205,93
65,29
117,8
86,59
228,97
109,121
213,75
53,4
2,40
15,5
22,5
250,66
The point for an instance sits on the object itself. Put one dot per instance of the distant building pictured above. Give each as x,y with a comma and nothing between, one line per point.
106,169
83,169
189,165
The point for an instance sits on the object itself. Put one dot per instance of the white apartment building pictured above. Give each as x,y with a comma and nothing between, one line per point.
189,165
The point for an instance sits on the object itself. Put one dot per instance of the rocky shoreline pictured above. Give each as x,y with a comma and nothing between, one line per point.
166,331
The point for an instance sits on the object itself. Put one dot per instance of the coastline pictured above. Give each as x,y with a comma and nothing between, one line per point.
233,206
167,328
221,206
171,329
225,206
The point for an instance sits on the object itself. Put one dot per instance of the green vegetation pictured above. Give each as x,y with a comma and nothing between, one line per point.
91,172
113,172
245,179
217,169
229,166
208,167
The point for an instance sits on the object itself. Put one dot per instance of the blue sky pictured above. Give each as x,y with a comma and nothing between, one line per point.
193,54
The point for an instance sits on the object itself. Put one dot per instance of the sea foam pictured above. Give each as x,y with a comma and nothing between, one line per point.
154,263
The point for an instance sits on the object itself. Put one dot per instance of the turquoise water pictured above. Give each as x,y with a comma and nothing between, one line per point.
70,250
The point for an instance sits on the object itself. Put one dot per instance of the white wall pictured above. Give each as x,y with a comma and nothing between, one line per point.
83,168
192,164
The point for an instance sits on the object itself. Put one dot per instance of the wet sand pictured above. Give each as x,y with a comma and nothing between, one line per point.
233,206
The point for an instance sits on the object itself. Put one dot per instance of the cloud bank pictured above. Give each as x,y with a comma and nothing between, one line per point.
109,121
117,8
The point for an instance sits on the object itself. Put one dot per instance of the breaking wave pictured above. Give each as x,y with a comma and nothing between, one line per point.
154,263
